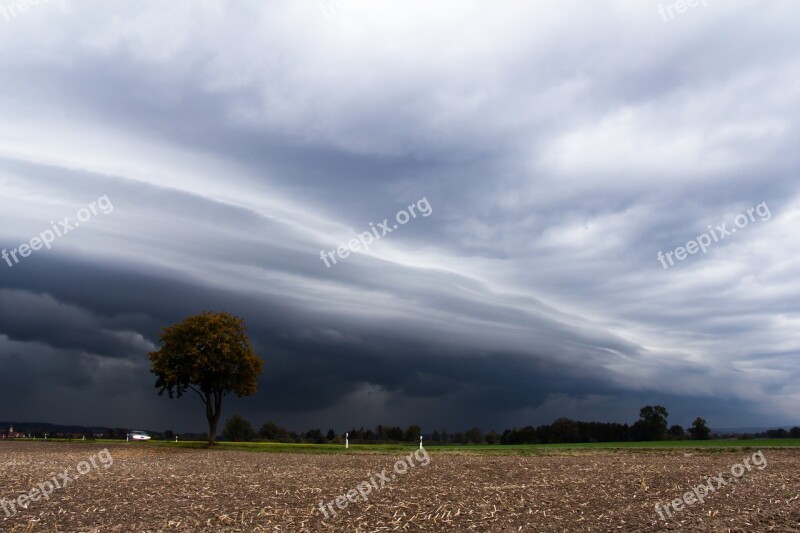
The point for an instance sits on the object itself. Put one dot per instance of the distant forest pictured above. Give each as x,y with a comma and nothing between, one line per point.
651,426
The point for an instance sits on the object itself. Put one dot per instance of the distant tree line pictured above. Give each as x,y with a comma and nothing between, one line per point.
793,433
651,426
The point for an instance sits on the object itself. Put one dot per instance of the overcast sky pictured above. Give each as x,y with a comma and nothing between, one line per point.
216,148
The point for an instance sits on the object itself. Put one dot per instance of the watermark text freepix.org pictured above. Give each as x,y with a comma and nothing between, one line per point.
699,493
46,488
718,233
48,236
364,488
11,10
363,241
681,6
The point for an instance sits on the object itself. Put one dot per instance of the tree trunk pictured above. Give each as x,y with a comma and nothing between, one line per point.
212,430
213,414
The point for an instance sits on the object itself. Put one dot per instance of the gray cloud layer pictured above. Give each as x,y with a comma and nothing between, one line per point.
561,148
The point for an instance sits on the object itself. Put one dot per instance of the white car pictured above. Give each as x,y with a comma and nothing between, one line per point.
138,435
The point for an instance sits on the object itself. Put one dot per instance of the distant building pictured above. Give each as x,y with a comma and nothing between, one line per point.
11,434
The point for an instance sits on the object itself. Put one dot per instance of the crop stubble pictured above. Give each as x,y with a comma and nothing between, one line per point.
159,489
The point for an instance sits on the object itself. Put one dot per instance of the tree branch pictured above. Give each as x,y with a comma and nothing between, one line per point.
205,401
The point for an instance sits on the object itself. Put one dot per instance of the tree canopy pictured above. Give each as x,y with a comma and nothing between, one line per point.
653,421
699,429
238,429
210,355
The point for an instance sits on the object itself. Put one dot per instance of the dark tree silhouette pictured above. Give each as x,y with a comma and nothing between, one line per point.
699,430
237,429
210,355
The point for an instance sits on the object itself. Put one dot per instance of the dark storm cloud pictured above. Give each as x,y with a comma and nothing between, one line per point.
310,363
560,147
39,317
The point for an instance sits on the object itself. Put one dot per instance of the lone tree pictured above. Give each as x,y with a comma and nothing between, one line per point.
209,354
699,429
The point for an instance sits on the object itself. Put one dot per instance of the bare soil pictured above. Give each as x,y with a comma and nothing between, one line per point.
149,488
